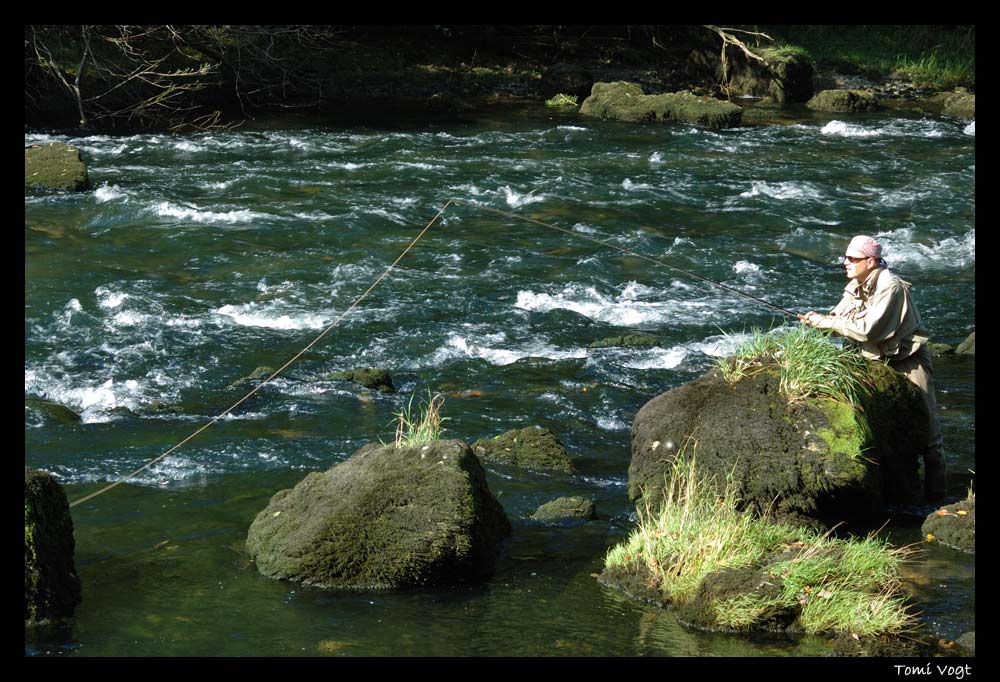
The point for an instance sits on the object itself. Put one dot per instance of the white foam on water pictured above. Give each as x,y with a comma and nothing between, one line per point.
270,316
418,165
628,185
397,218
841,129
657,358
109,299
188,146
656,158
168,210
345,165
570,128
106,193
494,349
676,356
747,268
970,129
903,247
621,310
92,401
223,184
609,423
516,200
782,190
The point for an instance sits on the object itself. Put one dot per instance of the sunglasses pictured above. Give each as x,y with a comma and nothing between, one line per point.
853,260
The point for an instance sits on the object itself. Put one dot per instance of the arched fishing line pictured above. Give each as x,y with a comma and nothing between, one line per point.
630,253
277,372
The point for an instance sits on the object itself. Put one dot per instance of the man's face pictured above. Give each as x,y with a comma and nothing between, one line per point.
858,265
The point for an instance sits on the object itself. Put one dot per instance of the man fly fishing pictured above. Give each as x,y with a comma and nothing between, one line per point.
878,316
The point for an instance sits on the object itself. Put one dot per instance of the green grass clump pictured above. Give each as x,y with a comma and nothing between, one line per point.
423,424
810,365
837,586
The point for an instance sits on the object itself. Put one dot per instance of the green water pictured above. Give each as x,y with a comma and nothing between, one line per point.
197,259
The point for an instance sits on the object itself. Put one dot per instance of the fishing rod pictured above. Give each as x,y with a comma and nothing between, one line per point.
629,252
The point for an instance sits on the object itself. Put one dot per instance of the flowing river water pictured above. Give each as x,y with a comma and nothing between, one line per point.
197,259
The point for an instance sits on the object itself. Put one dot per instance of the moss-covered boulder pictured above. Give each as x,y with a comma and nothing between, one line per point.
51,586
844,101
803,460
566,509
961,103
626,102
369,377
386,517
784,76
55,166
967,347
953,526
532,448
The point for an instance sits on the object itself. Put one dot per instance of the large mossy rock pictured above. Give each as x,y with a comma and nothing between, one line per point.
784,77
844,101
386,517
953,526
626,102
55,166
532,448
51,586
803,460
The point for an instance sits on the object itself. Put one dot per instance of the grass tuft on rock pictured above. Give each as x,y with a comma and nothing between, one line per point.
423,424
811,366
833,586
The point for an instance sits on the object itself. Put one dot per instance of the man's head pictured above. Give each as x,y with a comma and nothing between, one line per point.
863,255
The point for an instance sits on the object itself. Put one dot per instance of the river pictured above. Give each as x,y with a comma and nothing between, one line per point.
196,259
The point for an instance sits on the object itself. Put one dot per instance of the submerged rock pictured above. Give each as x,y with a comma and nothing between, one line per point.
797,459
953,526
261,372
384,518
565,508
51,586
55,166
626,102
532,448
626,341
369,377
52,411
844,101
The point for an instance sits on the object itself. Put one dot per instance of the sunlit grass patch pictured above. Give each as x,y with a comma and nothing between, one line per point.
422,424
842,586
809,366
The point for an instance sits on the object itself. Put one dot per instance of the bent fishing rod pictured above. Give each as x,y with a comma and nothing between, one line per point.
629,252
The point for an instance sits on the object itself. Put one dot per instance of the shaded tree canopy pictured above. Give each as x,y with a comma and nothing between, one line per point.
203,76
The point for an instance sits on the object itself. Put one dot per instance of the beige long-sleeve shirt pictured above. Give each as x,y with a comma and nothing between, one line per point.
879,316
